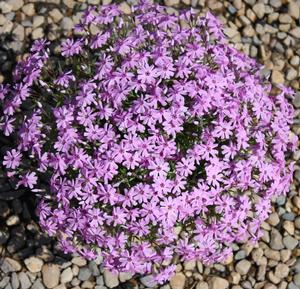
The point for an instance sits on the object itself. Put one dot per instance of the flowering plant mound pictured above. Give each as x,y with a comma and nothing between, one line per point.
156,138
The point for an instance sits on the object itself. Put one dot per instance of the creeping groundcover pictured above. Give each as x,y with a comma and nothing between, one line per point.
147,139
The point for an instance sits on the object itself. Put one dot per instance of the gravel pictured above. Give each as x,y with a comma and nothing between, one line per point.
266,30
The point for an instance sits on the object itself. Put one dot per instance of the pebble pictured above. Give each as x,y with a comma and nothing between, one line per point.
189,265
111,280
14,219
4,282
296,279
272,254
277,77
202,285
178,281
56,15
171,2
84,274
28,9
79,261
259,10
281,270
276,240
34,264
38,20
243,267
15,283
66,275
15,4
230,32
37,33
10,265
273,219
67,23
123,277
24,280
218,283
295,32
290,242
51,274
294,9
257,255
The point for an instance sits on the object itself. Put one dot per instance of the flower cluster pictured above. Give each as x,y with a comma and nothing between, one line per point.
155,139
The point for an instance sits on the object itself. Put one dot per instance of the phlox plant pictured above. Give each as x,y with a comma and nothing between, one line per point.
148,141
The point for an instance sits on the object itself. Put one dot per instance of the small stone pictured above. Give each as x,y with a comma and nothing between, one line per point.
14,219
37,285
243,267
230,32
123,277
94,268
294,9
10,265
19,33
285,255
87,284
4,209
61,286
67,23
171,2
273,278
56,15
261,272
281,270
15,283
257,255
295,32
285,18
273,219
218,283
66,276
281,199
84,274
275,3
15,4
28,9
241,254
94,2
277,77
296,201
79,261
178,281
200,267
235,277
202,285
51,274
297,222
148,281
38,20
111,280
24,281
34,264
259,10
4,282
269,286
296,279
189,265
289,227
5,7
124,7
249,31
37,33
272,254
290,242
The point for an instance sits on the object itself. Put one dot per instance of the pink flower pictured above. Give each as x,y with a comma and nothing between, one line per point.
12,159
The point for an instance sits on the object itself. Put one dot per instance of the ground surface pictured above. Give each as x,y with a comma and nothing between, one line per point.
267,30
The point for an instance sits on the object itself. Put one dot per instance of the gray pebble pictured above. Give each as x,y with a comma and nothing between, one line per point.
289,216
38,285
84,274
276,240
24,281
290,242
280,201
292,285
240,255
15,280
4,282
